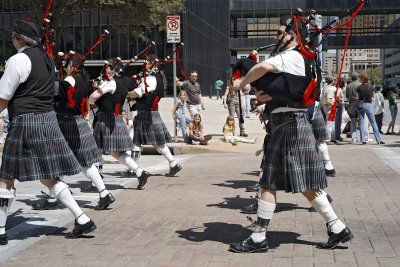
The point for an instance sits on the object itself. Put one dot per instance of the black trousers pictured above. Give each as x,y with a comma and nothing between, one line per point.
378,119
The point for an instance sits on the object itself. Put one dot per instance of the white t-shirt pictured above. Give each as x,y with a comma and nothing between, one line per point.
151,82
108,86
18,68
70,80
289,61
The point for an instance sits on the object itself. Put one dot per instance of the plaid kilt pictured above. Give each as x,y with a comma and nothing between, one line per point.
317,121
150,129
80,139
36,149
111,134
292,162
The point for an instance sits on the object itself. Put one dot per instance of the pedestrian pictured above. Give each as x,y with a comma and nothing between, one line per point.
195,100
231,102
379,107
328,100
178,112
339,111
218,88
352,110
149,127
365,94
110,131
35,148
196,132
393,101
229,133
291,162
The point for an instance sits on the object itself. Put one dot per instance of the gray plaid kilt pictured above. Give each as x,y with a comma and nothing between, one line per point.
150,129
292,162
111,134
36,149
317,123
80,139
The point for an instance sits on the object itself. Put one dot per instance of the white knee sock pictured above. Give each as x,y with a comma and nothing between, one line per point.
323,150
164,150
324,208
62,193
93,174
265,211
6,198
128,161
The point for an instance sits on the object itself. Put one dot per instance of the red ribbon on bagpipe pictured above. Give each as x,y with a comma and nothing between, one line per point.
48,31
102,37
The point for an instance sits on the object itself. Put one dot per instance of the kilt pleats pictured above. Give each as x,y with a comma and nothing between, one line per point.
36,149
150,129
292,162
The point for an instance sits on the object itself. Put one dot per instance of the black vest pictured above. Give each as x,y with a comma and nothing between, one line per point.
36,93
114,102
148,103
73,100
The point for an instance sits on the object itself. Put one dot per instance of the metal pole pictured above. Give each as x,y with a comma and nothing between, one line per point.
174,87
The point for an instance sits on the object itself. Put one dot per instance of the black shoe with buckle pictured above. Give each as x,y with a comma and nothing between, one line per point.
3,240
249,246
81,229
174,170
142,179
253,188
45,204
335,239
330,173
250,209
89,189
104,202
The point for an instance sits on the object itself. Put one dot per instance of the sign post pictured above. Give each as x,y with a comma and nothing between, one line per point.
174,36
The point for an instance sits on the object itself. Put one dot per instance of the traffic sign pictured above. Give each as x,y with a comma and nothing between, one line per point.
173,29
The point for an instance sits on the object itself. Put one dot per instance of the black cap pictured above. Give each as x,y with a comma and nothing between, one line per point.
27,28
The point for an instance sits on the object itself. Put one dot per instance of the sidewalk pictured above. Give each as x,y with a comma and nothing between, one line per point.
189,220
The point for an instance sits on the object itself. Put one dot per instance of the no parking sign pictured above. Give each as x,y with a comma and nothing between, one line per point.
173,29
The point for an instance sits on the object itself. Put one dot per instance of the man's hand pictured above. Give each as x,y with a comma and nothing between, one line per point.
262,97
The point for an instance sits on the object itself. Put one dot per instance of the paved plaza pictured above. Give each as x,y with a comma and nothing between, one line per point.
190,219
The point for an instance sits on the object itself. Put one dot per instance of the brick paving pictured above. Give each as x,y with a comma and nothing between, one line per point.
190,220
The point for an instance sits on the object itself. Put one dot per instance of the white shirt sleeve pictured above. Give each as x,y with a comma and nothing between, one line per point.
151,86
17,71
70,80
289,61
108,87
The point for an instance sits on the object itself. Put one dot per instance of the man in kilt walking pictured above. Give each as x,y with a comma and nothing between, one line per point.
35,148
148,125
292,163
110,131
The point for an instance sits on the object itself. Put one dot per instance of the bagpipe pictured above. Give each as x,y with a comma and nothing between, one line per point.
48,31
302,90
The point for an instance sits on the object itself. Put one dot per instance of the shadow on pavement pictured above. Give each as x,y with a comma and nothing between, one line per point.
236,184
228,233
83,184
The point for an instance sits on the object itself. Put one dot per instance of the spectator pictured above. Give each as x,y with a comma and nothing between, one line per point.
352,97
249,94
218,88
229,133
196,135
379,107
178,112
365,95
195,101
328,99
393,101
231,102
339,111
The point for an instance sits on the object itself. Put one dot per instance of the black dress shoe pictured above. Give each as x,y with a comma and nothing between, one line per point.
364,143
250,209
248,246
174,170
253,188
44,204
335,239
89,189
330,173
3,240
142,179
340,139
382,143
81,229
244,134
104,202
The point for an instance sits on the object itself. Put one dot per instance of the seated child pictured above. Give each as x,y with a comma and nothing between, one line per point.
229,133
196,135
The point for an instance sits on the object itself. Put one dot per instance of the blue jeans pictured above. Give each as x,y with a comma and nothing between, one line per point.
183,122
367,109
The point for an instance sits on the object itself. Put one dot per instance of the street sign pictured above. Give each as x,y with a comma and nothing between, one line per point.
173,29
